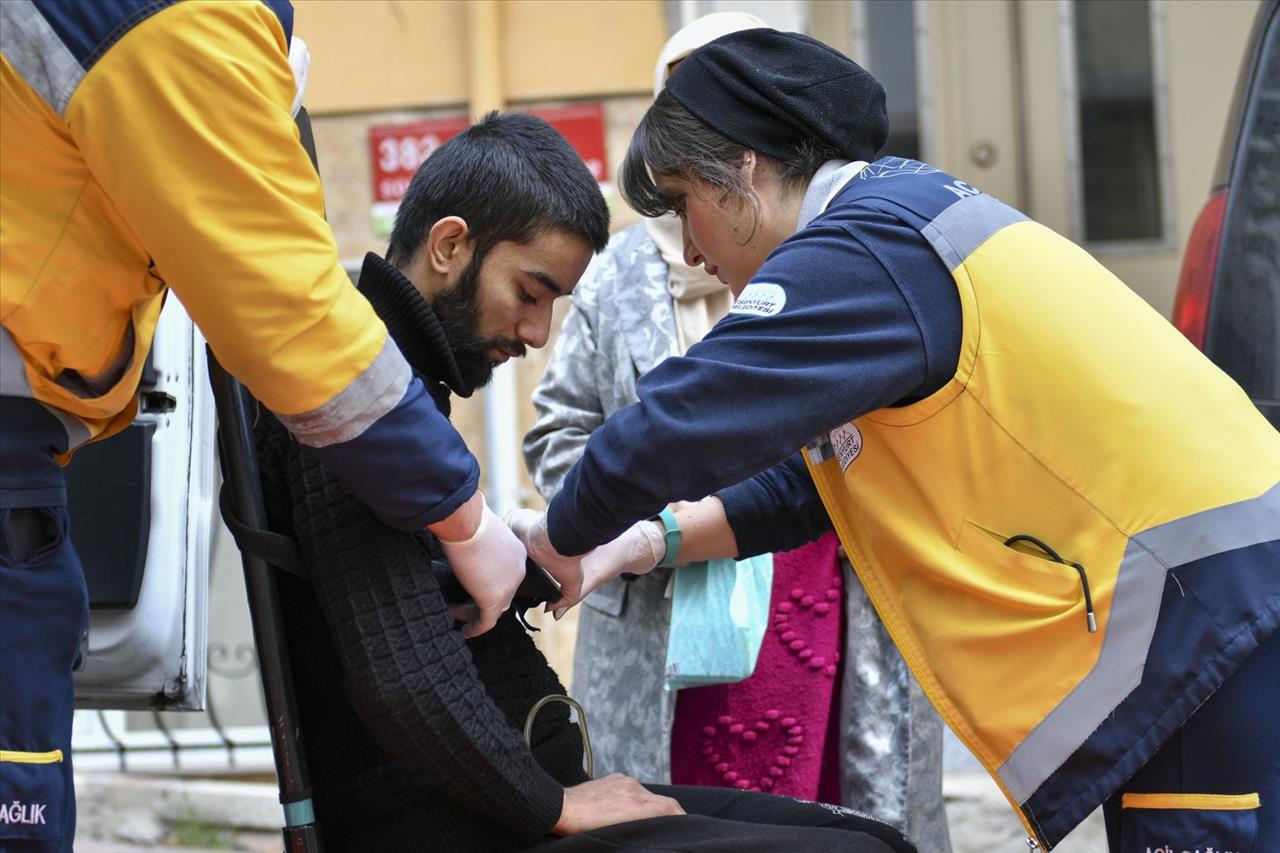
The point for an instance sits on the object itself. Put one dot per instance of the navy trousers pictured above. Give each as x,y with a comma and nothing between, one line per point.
44,613
1214,787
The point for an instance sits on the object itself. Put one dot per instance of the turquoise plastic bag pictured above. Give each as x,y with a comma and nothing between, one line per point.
719,611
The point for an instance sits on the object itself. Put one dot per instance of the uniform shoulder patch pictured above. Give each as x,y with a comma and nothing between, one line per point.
760,299
846,441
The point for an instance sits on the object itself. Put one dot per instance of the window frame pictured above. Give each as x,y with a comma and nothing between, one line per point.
1167,241
860,46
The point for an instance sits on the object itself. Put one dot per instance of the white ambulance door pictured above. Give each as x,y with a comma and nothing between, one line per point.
142,505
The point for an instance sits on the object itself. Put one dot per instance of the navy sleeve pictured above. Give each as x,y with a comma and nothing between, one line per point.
776,510
383,466
850,337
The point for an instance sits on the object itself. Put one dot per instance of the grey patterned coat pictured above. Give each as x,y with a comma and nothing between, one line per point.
619,327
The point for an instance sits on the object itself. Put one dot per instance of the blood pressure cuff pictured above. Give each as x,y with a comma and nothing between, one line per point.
538,587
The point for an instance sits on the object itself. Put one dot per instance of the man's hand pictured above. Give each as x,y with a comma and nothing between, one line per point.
487,559
530,526
604,802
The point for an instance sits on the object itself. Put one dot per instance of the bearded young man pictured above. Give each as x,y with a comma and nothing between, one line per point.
413,727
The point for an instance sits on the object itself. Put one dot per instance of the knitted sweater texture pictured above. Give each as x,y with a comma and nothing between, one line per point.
412,735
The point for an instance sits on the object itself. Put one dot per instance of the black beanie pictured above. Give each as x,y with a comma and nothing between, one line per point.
768,90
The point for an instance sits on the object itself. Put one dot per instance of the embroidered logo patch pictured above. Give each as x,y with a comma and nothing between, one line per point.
846,441
760,299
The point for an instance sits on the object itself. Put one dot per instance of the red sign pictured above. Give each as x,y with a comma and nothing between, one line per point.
398,150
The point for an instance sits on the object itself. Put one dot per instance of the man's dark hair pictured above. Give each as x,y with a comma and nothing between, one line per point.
511,177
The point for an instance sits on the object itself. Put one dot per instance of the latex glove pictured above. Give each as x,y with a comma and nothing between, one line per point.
530,527
489,564
637,551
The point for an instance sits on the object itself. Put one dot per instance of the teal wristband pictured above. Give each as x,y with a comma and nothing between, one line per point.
671,533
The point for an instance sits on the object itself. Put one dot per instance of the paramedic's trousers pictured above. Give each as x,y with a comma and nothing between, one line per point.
719,820
44,612
1215,784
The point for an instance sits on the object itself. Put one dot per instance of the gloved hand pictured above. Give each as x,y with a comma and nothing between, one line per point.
530,527
637,551
489,563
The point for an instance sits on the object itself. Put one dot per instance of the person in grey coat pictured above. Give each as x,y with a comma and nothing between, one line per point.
637,304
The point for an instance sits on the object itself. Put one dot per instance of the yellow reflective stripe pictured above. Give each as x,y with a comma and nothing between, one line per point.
1200,802
16,757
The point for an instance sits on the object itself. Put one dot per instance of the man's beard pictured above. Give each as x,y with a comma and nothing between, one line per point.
458,311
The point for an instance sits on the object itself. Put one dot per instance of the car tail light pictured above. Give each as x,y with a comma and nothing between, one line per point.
1195,284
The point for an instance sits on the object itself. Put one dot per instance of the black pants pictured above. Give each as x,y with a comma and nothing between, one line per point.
722,819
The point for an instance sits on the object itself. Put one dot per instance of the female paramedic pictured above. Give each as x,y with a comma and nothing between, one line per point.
1068,518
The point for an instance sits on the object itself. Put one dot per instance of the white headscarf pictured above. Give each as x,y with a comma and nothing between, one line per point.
699,300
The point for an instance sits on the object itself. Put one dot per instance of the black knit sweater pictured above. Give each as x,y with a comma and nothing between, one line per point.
412,735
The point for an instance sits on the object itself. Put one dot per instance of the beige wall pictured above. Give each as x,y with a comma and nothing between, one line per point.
970,86
371,55
379,62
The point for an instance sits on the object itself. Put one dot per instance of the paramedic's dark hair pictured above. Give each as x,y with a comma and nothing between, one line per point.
673,142
511,177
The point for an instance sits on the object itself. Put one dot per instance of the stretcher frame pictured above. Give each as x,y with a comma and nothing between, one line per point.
236,409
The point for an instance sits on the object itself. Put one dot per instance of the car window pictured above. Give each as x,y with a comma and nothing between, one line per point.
1244,332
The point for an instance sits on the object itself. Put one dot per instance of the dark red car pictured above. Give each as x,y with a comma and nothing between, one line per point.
1228,300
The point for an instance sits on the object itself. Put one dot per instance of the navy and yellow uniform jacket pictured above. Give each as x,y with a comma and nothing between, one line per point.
149,145
1066,516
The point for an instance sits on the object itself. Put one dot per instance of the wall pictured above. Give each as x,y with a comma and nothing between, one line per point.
371,55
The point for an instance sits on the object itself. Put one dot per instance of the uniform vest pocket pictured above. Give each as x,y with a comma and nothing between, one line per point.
1170,823
33,794
1031,579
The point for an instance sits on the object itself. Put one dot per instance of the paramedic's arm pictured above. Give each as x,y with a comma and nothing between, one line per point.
186,123
846,341
776,510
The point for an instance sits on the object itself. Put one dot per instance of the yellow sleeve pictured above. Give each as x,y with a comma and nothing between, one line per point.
186,124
